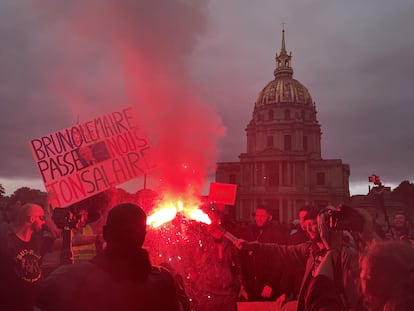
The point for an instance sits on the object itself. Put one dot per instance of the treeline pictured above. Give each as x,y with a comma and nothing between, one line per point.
97,205
101,202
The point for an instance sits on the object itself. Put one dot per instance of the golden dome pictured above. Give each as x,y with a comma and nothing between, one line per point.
284,89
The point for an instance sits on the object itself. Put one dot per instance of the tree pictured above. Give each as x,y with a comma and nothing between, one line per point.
404,193
28,195
21,196
97,205
2,191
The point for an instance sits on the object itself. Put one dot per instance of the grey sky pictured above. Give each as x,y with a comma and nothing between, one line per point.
60,61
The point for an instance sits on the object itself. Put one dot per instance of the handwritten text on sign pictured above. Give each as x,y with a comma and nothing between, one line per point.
78,162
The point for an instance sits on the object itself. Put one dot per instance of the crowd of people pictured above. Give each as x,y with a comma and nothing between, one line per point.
323,263
342,268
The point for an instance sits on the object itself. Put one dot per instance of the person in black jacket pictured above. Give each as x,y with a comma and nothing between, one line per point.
261,272
119,278
22,246
386,276
322,241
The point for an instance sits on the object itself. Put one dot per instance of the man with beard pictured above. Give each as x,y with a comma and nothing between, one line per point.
310,254
21,249
401,229
300,236
386,274
216,275
262,273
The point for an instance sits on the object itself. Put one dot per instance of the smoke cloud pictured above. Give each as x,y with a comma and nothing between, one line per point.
93,57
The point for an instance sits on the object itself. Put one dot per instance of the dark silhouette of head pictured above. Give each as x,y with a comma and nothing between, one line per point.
387,276
125,228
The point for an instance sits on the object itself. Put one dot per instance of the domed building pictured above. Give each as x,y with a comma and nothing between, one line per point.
282,167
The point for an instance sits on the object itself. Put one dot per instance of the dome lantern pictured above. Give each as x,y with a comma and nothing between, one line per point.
283,60
284,89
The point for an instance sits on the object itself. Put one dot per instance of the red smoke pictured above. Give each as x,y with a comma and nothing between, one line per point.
135,53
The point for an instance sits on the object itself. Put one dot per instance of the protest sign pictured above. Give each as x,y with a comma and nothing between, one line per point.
85,159
222,193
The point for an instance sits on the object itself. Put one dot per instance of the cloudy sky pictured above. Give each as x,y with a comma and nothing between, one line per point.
193,70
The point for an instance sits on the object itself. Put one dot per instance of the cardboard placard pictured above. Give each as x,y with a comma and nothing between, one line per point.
85,159
222,193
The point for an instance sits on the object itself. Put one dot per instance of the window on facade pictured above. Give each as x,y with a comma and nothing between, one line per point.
321,203
305,143
272,173
273,204
274,179
259,174
285,177
269,141
287,142
287,114
299,204
246,207
303,114
247,174
232,179
320,179
271,115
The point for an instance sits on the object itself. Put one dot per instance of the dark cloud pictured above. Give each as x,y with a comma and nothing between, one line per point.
64,60
355,59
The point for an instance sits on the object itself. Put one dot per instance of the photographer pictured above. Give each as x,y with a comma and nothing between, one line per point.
323,240
322,293
76,238
386,277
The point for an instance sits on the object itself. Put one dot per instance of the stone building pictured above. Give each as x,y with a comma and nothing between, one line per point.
282,167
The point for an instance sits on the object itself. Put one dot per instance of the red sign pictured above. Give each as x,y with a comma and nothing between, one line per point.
222,193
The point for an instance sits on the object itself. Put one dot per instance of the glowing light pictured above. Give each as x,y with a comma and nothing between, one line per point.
169,207
162,216
200,216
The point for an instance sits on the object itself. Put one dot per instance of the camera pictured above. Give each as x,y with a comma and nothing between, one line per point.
65,218
376,180
345,218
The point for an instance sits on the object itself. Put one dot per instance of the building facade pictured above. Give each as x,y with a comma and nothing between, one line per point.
282,167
